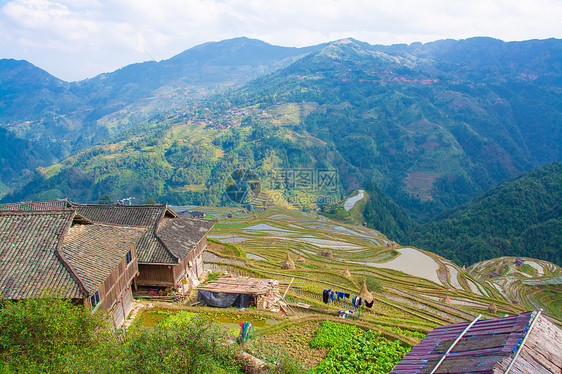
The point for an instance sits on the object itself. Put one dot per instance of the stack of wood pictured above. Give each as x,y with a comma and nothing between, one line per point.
272,301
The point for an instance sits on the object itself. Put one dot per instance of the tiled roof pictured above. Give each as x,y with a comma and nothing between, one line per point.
93,251
51,252
149,248
181,234
29,265
126,215
166,243
156,246
37,205
484,345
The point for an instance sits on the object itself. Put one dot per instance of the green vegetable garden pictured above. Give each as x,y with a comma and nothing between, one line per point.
354,350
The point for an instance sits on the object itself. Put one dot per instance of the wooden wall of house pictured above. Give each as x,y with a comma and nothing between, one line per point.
155,275
181,268
118,281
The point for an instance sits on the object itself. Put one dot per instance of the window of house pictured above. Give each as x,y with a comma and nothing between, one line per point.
129,257
95,300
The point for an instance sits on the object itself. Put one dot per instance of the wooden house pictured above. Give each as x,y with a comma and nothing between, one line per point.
170,250
60,253
527,343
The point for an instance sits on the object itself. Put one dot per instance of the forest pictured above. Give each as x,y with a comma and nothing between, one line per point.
521,217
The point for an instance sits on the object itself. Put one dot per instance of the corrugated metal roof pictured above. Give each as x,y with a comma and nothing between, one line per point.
481,348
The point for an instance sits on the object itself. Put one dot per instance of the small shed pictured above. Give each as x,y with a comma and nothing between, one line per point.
525,343
241,292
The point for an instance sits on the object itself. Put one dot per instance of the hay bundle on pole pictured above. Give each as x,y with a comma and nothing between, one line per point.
327,253
346,273
364,293
288,264
492,308
300,259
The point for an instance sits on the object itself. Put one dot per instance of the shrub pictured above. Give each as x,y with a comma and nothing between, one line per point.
48,335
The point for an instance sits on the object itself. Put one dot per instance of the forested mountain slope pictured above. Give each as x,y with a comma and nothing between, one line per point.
521,217
18,160
433,125
68,116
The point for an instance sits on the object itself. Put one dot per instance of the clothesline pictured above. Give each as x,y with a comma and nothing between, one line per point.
356,301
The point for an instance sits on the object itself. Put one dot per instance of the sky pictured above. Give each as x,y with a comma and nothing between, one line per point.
78,39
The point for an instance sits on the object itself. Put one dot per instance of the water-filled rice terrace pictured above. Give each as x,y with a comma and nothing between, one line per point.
418,289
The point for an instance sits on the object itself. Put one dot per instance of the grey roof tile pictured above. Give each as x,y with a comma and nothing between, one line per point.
93,251
165,241
181,234
37,205
149,249
29,265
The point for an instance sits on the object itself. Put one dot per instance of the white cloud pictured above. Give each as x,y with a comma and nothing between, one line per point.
77,38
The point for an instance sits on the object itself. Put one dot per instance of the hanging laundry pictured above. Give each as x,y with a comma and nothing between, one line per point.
332,295
326,296
346,295
369,305
340,295
353,302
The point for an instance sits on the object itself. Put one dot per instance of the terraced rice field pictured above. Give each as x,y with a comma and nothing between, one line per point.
420,290
534,284
441,292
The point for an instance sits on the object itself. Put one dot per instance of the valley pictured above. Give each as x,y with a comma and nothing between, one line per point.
429,174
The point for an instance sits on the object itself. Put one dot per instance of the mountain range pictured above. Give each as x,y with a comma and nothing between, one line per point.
432,124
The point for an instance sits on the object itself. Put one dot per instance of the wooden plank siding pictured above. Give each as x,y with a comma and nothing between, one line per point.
155,275
182,268
161,275
118,281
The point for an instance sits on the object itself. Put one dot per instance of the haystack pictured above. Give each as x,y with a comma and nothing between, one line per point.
327,253
492,308
300,259
446,300
364,293
288,264
346,273
391,244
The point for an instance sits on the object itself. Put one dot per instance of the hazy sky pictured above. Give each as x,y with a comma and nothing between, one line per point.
77,39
